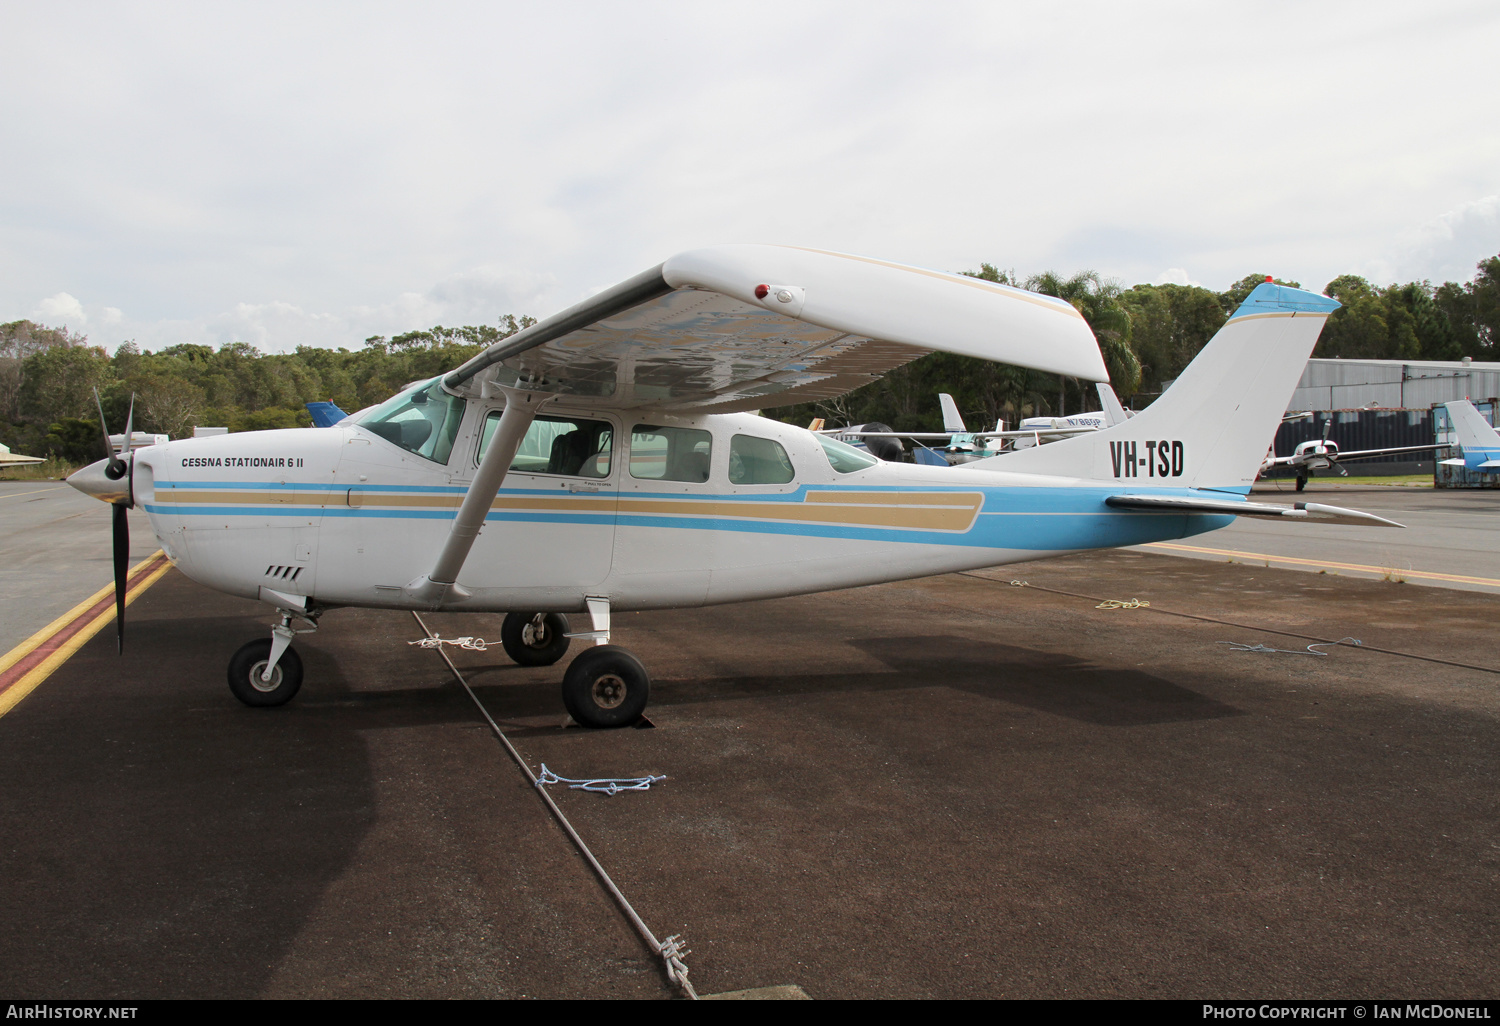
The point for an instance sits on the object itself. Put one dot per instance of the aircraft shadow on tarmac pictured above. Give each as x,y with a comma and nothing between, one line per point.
1049,682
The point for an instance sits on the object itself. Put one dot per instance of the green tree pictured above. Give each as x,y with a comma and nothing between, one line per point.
1169,325
60,382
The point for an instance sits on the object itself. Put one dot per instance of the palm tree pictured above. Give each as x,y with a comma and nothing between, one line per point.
1098,301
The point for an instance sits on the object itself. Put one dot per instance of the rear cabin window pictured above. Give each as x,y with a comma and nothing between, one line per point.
558,445
755,461
670,453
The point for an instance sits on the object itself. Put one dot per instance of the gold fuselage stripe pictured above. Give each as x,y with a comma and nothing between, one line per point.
931,511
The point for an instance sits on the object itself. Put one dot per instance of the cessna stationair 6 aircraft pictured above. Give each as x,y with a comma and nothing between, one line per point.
609,458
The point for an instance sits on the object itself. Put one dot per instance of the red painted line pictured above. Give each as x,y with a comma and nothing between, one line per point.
36,656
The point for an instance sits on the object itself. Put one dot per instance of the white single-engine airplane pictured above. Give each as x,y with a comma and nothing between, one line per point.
606,459
1323,453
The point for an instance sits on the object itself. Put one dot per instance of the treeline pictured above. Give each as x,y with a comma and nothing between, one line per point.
1147,334
48,377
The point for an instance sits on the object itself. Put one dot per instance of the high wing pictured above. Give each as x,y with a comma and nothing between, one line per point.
1360,454
734,328
1044,432
1297,511
1364,454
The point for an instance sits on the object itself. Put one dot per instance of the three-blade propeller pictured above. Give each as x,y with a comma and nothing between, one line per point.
118,469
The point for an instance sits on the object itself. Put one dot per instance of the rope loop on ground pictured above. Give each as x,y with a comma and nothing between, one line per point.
472,644
599,785
1020,584
1133,603
1314,649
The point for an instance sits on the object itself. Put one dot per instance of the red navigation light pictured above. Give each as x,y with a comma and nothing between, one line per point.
1269,278
762,291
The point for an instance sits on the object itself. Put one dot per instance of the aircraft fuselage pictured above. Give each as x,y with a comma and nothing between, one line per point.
344,516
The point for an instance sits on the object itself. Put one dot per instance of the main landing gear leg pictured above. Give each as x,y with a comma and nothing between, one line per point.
265,673
605,686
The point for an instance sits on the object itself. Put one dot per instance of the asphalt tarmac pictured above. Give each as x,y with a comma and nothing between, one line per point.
1451,537
955,787
55,551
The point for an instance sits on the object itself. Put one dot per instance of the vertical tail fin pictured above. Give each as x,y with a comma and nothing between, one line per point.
951,419
1480,441
1212,427
1114,413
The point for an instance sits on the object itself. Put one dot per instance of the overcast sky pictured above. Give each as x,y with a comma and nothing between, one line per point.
317,173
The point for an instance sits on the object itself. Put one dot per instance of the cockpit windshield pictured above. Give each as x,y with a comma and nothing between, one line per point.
423,420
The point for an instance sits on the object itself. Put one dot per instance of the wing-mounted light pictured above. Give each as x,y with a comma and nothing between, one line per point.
787,299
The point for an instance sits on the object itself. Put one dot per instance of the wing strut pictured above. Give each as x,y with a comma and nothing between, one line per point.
433,589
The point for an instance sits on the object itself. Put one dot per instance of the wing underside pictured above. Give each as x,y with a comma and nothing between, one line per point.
739,328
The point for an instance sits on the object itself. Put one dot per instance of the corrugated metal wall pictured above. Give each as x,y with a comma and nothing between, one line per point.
1351,384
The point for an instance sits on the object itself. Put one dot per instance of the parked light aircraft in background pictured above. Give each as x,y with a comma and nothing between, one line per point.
605,459
1322,453
1480,442
965,446
15,459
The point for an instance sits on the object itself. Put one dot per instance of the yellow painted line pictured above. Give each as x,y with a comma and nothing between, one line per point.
39,491
1327,564
99,609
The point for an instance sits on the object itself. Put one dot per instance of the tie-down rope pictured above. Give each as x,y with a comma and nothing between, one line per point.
471,644
599,785
672,950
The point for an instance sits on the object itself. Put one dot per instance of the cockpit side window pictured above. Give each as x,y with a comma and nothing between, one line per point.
755,460
422,420
557,445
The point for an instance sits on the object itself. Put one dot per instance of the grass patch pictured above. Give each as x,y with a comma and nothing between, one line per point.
1399,479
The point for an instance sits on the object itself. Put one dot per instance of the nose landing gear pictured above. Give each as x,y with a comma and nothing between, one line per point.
267,672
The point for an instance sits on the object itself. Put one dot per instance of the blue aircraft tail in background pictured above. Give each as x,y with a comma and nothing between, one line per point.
325,414
1480,442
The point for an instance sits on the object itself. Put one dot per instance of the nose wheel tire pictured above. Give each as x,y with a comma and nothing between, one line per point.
535,639
249,663
606,686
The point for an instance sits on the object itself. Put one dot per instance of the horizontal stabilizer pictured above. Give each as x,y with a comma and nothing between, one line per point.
1298,511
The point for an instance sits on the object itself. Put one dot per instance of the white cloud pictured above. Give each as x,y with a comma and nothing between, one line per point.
481,295
1448,247
59,310
1174,276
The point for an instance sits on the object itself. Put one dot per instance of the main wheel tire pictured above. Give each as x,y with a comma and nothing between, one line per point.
535,644
250,662
1301,482
606,686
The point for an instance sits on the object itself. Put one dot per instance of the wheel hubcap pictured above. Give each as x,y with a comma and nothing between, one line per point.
264,685
609,691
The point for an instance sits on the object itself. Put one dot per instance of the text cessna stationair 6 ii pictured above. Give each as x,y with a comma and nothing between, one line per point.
607,459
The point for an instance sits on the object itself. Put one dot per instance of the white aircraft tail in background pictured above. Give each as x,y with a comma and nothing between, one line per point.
1481,443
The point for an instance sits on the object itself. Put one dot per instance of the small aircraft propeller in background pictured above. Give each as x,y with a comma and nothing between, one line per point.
118,469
